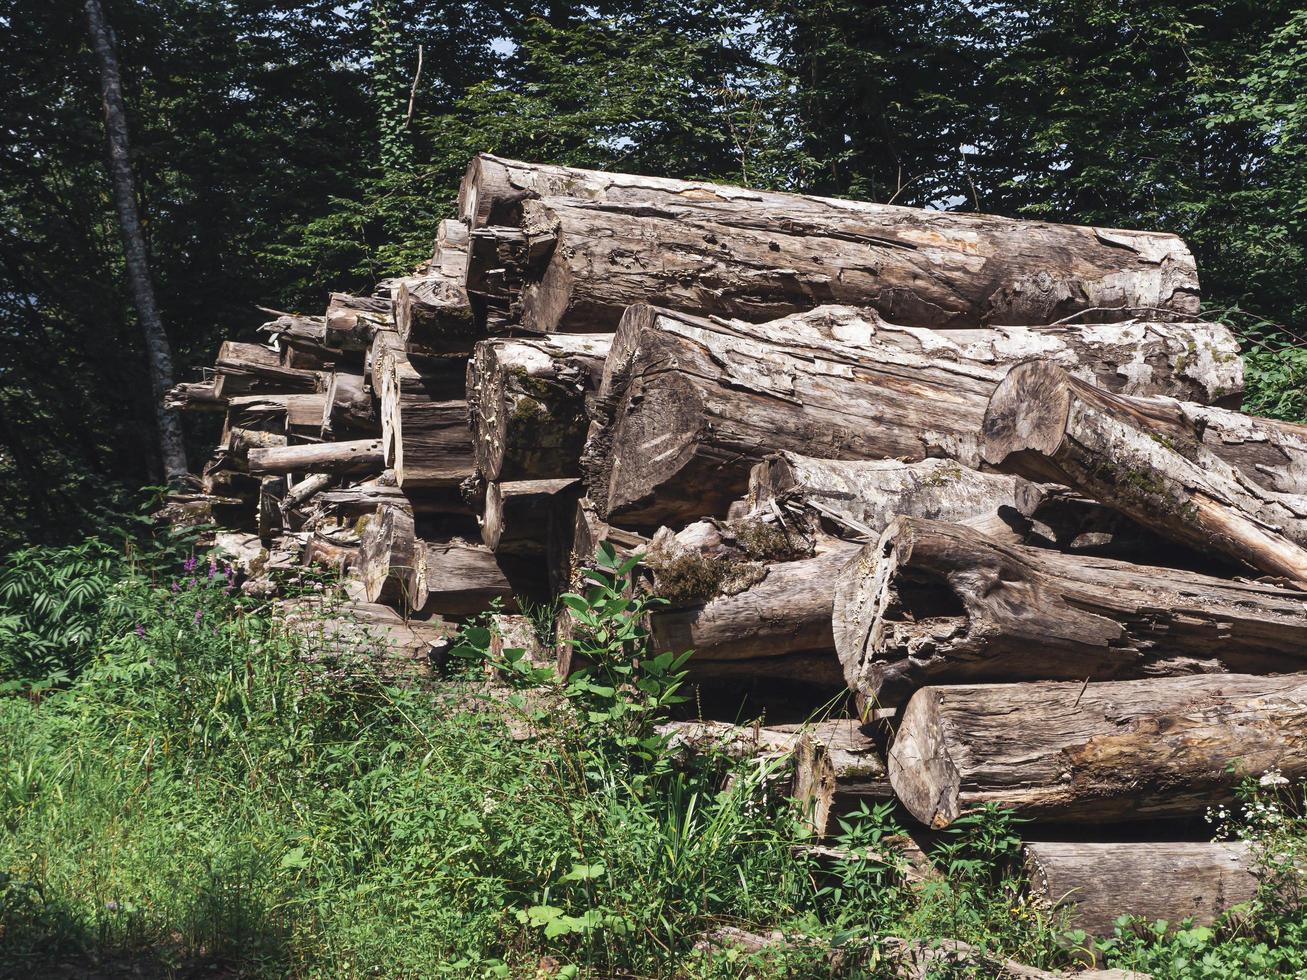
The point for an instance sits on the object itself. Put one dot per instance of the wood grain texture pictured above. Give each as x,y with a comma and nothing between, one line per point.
1096,753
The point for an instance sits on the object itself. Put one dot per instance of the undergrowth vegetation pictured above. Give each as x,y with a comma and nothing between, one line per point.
184,784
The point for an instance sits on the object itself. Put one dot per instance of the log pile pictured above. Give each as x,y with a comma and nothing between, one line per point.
986,476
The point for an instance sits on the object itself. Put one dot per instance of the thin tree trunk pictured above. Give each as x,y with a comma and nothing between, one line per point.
158,351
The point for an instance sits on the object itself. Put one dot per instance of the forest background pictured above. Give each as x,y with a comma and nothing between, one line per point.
282,150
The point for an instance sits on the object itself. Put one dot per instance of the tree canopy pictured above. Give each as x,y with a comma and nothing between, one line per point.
285,149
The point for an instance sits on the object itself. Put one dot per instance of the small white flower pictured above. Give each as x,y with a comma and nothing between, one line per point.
1272,777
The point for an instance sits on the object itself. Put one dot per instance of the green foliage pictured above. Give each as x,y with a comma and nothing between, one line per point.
210,791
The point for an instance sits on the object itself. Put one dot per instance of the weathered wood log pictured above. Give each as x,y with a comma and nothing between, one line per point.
356,456
1167,880
526,401
462,578
764,259
515,632
518,515
269,520
786,610
424,422
433,316
699,402
944,267
351,321
1076,752
932,603
449,258
1045,424
252,369
390,564
347,407
369,630
194,396
572,552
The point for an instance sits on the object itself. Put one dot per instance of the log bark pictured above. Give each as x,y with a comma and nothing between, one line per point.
518,516
462,578
527,406
359,456
390,566
699,402
1042,423
1094,884
838,768
937,603
295,414
1096,753
351,502
916,267
351,321
367,629
449,258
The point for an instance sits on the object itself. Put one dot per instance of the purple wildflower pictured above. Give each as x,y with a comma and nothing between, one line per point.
140,629
213,569
198,614
230,573
189,564
176,586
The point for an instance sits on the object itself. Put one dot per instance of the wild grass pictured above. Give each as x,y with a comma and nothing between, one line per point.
189,790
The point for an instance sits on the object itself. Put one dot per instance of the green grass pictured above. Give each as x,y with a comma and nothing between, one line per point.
191,793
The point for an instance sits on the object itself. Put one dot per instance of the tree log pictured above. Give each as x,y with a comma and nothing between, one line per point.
347,407
244,369
389,562
787,610
1121,750
936,603
527,404
424,422
837,769
1042,423
357,456
931,268
701,401
922,268
352,502
518,515
1167,880
462,578
369,629
351,321
433,316
194,396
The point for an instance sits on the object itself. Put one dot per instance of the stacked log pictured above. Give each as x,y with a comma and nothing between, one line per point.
981,481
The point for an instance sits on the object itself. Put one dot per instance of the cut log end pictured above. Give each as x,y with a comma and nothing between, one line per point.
920,770
1028,411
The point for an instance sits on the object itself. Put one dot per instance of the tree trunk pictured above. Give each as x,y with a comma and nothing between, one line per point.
1044,424
194,396
527,404
922,268
1168,880
244,369
760,254
424,422
518,515
701,401
351,321
389,564
936,603
367,629
1097,753
359,456
158,351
